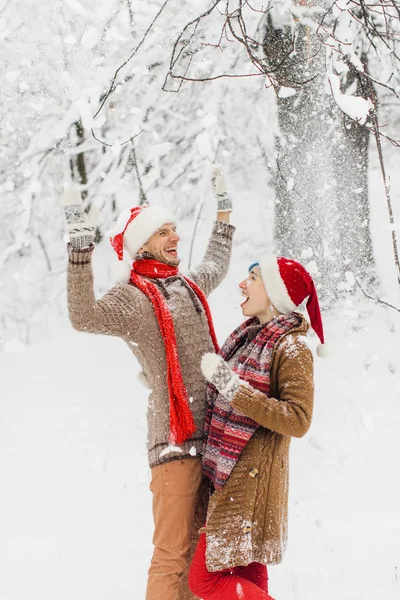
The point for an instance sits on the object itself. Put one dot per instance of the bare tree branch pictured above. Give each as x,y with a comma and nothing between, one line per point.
143,197
385,182
112,86
120,143
250,44
377,300
45,253
5,6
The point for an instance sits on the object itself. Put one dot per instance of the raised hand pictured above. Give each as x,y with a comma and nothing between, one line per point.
81,229
224,203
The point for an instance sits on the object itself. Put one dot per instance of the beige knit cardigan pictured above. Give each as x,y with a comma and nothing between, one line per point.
247,519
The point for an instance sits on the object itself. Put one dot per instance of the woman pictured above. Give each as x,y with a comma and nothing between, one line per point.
260,395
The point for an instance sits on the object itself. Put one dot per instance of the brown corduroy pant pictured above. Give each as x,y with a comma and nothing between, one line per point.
179,510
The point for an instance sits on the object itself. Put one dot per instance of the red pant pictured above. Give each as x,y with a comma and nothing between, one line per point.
244,583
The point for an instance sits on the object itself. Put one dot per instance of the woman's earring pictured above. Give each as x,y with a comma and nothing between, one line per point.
271,308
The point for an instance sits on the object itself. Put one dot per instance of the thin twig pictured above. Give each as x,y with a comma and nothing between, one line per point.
378,300
131,20
196,223
112,86
194,22
5,6
120,143
222,76
46,255
374,118
143,197
285,180
198,216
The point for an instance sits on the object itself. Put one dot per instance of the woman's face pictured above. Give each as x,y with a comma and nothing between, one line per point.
256,302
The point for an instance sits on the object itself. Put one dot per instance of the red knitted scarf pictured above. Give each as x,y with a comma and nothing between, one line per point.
182,425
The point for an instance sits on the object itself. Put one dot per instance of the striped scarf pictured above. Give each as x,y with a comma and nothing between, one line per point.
227,431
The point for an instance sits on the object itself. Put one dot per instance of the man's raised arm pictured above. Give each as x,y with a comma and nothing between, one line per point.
114,314
215,263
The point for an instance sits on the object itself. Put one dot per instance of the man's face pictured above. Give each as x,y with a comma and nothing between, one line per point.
163,245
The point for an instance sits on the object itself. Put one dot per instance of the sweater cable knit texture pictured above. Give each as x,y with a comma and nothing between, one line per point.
126,312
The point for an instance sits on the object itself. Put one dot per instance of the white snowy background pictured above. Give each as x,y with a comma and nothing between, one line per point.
75,518
75,508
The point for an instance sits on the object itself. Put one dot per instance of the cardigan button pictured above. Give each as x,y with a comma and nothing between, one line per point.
253,473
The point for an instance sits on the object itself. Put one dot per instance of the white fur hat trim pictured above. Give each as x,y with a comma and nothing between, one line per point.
120,271
138,232
144,226
274,284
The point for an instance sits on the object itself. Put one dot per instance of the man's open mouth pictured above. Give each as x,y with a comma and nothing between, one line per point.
172,252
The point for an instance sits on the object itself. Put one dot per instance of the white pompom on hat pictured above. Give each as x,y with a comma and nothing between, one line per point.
133,228
288,284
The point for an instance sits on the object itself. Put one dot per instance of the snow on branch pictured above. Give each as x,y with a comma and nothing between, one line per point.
355,107
364,37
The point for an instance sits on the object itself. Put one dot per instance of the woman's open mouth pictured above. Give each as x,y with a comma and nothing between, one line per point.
244,302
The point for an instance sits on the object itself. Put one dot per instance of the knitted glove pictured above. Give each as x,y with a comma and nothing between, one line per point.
224,203
80,229
217,372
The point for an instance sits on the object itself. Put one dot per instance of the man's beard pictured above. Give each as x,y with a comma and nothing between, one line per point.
172,262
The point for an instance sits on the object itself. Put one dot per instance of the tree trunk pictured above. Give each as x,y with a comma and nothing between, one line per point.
322,211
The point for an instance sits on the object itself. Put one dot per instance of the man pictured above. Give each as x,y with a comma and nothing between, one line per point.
165,320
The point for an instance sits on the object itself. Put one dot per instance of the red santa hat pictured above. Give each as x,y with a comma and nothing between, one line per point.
288,284
133,228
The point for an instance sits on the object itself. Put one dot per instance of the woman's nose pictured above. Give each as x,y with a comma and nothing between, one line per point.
243,284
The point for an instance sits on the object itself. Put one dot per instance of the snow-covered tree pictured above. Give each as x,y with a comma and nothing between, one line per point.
135,100
329,63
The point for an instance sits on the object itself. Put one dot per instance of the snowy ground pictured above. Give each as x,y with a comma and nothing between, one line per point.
75,509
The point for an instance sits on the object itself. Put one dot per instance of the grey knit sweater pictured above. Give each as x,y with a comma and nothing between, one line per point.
126,312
